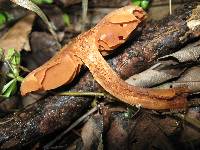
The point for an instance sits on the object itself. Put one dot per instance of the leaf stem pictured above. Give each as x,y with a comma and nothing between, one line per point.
82,94
18,78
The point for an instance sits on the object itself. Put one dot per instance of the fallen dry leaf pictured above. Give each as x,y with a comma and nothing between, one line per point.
190,79
169,67
33,7
190,53
156,75
17,36
92,133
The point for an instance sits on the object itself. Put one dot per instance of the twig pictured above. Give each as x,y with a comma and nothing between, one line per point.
18,78
47,146
170,7
81,94
24,68
84,13
6,121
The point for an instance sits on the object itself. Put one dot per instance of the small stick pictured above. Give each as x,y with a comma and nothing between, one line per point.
6,121
84,13
81,94
170,7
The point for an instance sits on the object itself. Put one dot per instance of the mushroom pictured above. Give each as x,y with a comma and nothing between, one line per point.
113,30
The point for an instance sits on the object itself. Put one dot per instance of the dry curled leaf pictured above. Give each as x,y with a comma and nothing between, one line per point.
17,36
107,35
190,53
189,79
169,67
155,75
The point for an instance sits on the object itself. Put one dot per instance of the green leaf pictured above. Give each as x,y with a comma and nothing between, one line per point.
5,17
38,2
13,57
9,17
1,54
48,1
10,88
10,53
5,87
66,19
2,19
16,59
42,1
136,2
145,4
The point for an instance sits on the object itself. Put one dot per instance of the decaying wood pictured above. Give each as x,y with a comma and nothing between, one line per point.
48,115
51,114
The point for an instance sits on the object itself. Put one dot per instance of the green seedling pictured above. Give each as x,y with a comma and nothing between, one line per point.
9,17
66,19
2,19
10,88
12,59
142,3
136,2
5,17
